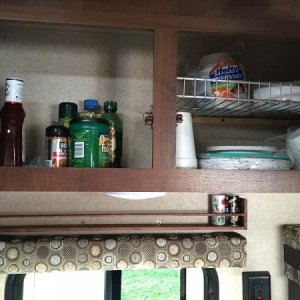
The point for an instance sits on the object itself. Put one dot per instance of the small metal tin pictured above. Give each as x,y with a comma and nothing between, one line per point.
218,220
234,207
234,221
218,206
233,203
218,203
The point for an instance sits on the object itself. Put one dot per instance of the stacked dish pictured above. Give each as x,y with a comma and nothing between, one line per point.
283,92
243,158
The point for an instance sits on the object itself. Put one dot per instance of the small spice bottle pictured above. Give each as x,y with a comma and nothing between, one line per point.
57,146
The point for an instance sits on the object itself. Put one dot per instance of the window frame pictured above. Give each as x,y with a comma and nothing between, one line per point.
113,285
14,287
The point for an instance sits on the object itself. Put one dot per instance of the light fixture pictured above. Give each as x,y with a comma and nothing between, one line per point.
136,195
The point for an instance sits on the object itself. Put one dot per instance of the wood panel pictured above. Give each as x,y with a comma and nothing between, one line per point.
164,99
227,16
148,180
109,229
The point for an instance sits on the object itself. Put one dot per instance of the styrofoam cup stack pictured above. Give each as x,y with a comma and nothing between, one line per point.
185,144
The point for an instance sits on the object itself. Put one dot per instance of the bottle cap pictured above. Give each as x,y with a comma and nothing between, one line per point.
90,104
57,131
110,106
14,90
67,110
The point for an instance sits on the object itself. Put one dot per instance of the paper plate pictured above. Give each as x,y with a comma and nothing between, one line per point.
242,148
247,163
242,154
277,92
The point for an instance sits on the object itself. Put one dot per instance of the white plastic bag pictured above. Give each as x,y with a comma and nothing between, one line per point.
293,147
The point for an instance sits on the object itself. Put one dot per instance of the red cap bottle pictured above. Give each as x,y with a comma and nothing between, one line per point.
12,117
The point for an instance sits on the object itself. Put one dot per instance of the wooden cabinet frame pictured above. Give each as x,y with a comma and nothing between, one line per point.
166,18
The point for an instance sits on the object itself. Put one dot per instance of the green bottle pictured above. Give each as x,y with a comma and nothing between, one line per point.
116,132
67,112
90,143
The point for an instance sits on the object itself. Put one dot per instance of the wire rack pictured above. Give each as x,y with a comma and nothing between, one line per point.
225,98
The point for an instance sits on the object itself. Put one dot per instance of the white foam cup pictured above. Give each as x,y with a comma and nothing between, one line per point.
185,144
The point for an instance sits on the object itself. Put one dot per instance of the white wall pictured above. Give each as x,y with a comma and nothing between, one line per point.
267,214
73,65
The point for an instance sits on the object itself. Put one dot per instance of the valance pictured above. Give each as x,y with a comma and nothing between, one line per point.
117,252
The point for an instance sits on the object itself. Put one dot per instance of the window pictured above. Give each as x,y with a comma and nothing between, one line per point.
87,285
159,284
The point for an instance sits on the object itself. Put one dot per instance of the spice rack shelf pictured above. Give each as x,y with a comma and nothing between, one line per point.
157,221
240,217
251,99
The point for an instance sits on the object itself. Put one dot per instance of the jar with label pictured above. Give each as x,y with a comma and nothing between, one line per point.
90,144
57,146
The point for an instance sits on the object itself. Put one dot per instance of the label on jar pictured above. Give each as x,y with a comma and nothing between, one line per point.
218,220
84,149
105,148
113,138
14,90
79,150
90,149
57,152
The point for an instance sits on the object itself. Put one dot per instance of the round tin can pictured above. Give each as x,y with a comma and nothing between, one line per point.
57,146
90,144
218,203
233,207
218,206
233,203
233,221
218,220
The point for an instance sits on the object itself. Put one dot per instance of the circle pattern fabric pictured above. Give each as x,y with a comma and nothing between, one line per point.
113,252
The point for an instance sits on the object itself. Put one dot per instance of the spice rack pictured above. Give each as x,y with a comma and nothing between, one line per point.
253,99
112,222
241,215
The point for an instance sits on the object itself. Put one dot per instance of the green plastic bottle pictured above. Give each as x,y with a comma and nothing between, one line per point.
67,112
90,143
116,133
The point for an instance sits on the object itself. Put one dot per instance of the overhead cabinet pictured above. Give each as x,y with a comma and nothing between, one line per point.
137,54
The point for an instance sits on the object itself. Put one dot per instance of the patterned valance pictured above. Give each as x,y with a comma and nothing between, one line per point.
70,253
291,240
291,236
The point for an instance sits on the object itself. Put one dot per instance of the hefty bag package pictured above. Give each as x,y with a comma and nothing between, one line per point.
223,72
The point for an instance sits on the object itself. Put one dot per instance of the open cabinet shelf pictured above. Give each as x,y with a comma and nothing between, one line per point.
252,99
